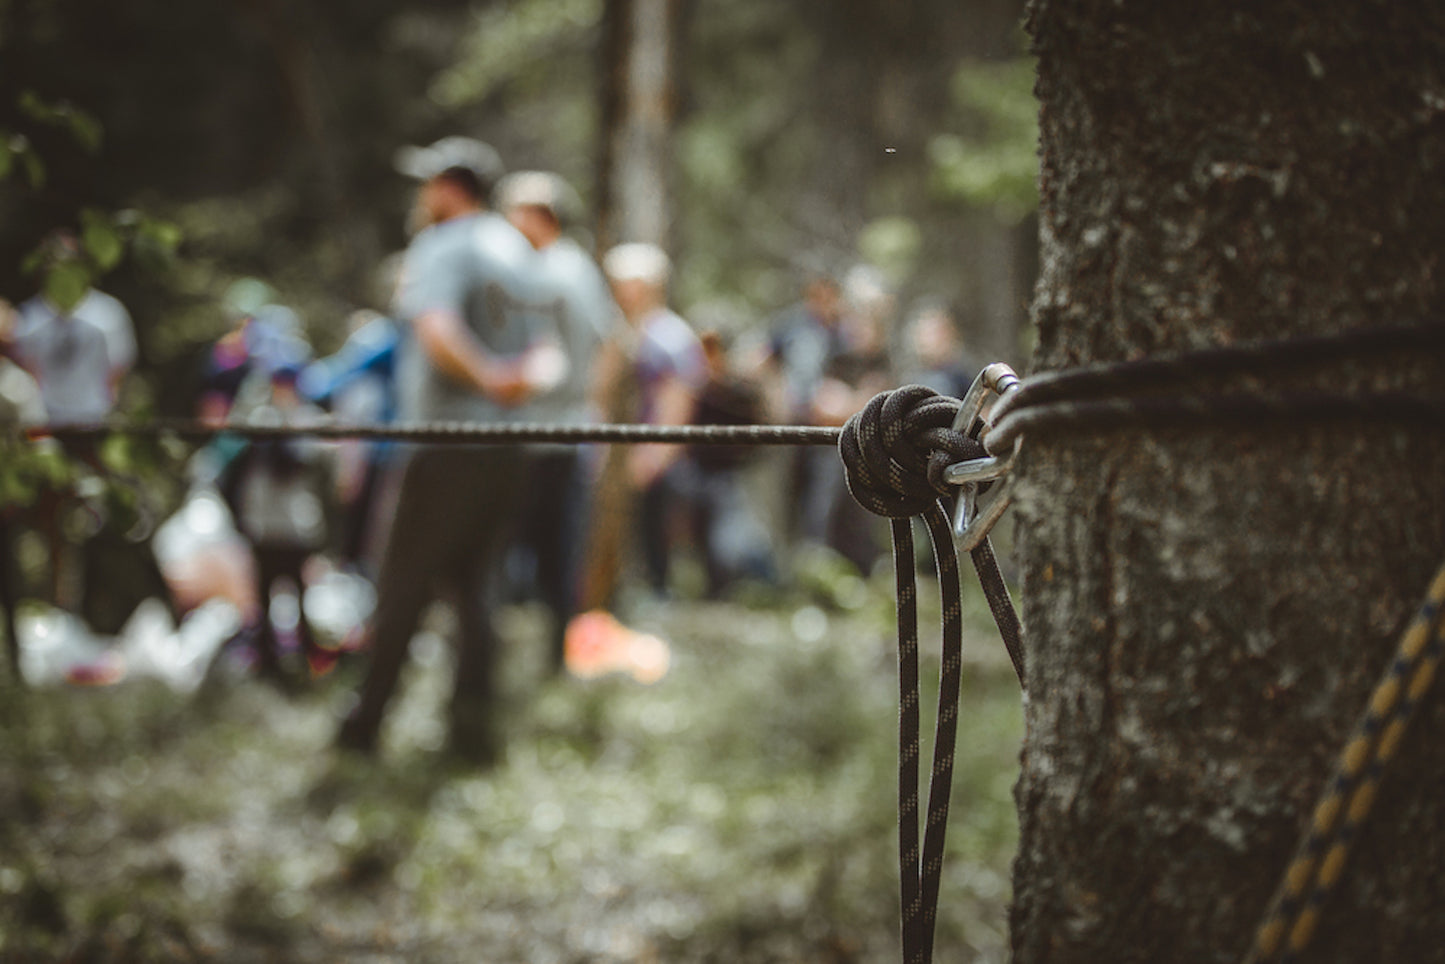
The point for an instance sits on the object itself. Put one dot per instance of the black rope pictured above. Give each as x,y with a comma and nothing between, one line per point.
894,452
1110,396
1087,381
1113,414
460,433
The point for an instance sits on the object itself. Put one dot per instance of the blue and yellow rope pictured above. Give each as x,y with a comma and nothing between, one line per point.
1294,911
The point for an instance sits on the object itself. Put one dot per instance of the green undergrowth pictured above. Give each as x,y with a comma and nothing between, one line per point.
742,809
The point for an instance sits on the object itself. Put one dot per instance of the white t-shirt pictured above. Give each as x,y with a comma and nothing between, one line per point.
76,356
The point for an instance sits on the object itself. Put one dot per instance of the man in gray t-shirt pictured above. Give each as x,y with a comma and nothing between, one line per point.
481,271
469,345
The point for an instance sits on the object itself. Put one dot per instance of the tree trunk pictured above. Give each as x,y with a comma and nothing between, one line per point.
639,107
1207,610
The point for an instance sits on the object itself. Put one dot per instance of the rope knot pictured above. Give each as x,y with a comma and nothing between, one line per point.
895,449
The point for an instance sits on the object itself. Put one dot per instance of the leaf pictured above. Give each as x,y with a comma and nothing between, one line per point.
116,454
7,154
66,284
33,107
156,242
34,169
33,262
163,234
102,241
84,128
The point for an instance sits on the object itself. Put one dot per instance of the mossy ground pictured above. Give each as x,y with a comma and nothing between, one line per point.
743,809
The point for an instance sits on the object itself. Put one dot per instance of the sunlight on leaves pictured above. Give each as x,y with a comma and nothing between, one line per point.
996,166
102,240
508,38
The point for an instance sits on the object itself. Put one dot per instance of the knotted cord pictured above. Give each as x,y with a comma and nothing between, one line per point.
894,452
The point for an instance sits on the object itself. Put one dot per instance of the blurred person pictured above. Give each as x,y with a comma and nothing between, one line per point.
20,407
469,353
80,352
236,374
860,370
236,371
578,305
277,490
733,541
357,384
803,340
260,335
667,358
657,351
21,404
936,357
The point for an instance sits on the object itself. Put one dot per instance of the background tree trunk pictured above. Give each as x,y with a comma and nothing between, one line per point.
635,171
640,44
1207,610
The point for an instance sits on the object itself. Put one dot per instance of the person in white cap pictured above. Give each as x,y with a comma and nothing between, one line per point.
579,305
670,366
468,354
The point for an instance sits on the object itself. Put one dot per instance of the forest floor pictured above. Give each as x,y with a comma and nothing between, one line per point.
741,809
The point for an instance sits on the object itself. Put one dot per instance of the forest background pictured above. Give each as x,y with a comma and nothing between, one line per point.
255,138
740,812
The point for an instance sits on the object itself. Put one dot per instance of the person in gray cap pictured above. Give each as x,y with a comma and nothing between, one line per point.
541,204
471,351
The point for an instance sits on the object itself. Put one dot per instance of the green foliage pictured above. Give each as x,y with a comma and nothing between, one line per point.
997,166
511,40
81,125
15,149
893,245
28,469
67,266
805,138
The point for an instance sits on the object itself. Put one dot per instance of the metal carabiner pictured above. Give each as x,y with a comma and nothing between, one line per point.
974,517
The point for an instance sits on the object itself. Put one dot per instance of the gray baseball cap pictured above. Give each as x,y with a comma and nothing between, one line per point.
449,153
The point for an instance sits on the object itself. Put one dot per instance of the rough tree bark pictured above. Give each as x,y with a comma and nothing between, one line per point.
1207,610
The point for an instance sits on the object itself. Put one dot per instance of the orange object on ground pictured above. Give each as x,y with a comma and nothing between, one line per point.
597,644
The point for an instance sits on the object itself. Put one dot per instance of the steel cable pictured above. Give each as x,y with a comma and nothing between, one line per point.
453,433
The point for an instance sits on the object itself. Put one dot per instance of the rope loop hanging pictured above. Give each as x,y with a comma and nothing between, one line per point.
895,453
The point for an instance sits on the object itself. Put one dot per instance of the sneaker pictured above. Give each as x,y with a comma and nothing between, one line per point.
597,644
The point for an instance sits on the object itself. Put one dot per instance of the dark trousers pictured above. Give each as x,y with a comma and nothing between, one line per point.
273,563
556,501
452,517
656,507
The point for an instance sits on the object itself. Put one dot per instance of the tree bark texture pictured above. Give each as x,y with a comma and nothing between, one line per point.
1207,610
